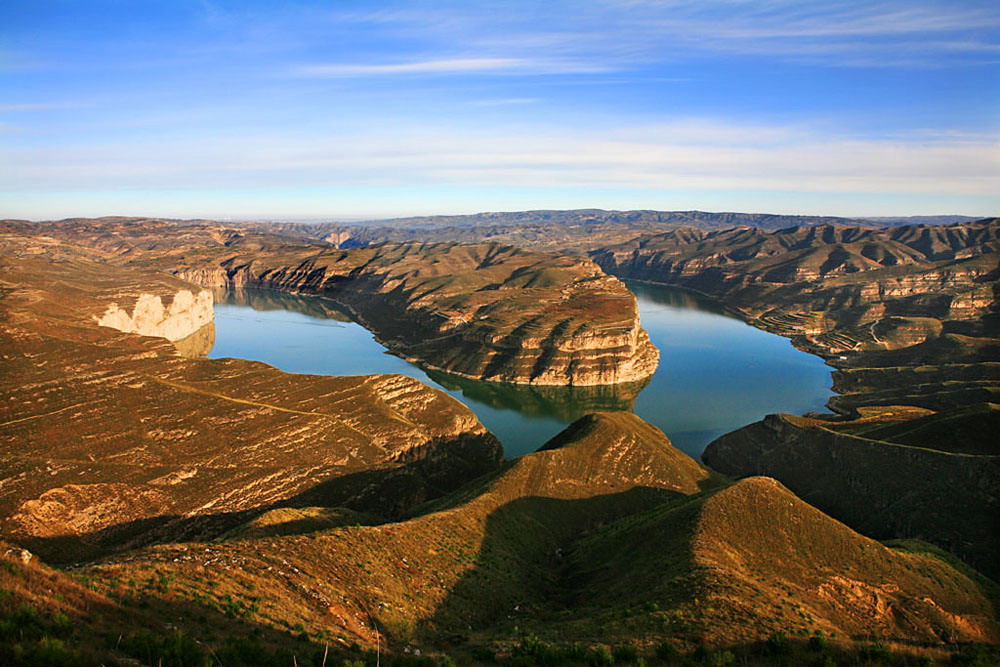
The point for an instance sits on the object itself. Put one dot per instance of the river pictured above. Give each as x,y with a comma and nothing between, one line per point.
716,372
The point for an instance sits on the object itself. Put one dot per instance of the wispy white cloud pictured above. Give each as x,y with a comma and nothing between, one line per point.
449,66
624,32
700,154
505,102
46,106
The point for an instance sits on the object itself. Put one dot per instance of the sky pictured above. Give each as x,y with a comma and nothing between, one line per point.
345,110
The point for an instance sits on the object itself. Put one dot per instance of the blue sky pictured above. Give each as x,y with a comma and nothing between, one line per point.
347,110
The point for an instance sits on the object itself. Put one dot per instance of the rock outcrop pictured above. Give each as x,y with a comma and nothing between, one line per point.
186,314
483,312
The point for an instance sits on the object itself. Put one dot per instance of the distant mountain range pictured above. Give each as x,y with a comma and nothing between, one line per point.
579,230
699,219
592,216
921,219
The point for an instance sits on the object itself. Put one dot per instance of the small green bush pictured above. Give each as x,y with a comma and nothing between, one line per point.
600,657
667,651
173,650
484,654
50,652
877,652
777,644
625,654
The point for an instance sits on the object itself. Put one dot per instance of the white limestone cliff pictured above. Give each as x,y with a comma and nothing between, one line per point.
186,314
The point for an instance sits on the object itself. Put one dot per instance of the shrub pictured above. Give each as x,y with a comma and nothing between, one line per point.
816,644
877,652
600,657
531,645
724,658
777,644
173,650
51,653
667,651
625,654
61,625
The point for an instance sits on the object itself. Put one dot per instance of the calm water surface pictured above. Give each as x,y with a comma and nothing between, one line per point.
716,373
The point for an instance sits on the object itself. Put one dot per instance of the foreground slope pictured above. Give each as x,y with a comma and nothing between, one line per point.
475,556
752,558
607,534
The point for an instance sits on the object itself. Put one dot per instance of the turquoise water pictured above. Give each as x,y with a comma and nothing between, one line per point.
716,373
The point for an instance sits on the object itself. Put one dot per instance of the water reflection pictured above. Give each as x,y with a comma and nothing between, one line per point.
675,298
264,300
198,344
564,403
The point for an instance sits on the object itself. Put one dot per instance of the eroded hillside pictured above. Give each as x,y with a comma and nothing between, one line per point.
910,319
112,438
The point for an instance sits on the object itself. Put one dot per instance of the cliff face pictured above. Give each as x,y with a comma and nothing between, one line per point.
186,314
484,312
110,439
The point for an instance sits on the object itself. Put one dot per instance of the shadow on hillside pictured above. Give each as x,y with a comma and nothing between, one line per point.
383,494
532,565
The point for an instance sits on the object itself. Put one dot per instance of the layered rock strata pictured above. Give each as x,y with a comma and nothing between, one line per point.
484,312
832,289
